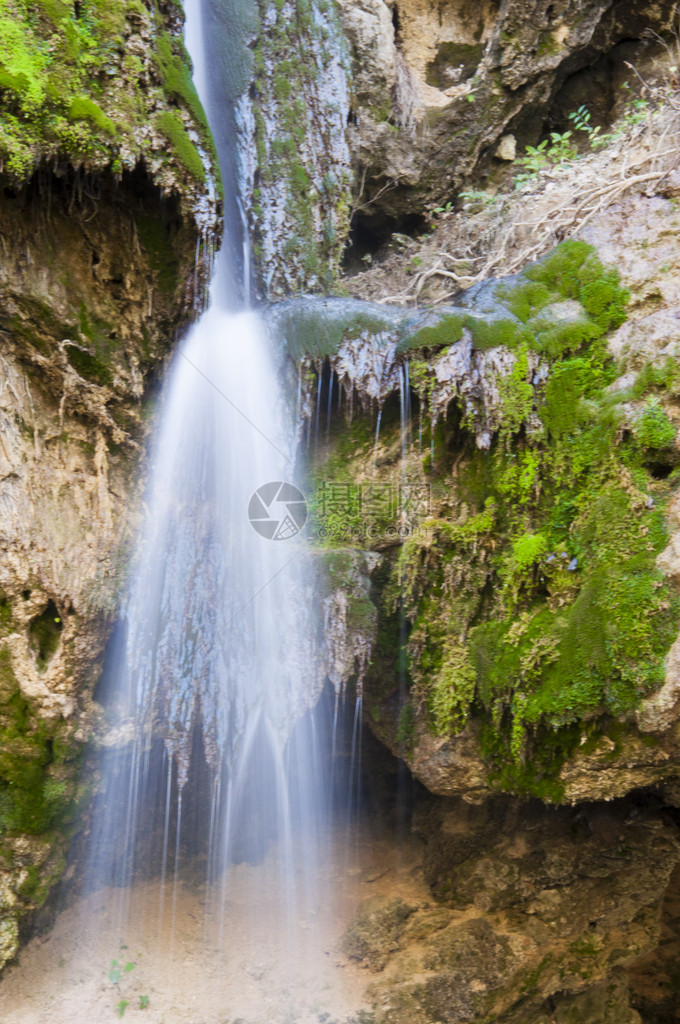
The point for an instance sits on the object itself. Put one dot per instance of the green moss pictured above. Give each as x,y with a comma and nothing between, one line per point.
69,87
548,46
453,62
526,299
452,689
571,272
344,569
406,727
172,126
446,332
84,109
541,611
6,618
665,378
517,394
654,430
87,365
34,792
365,323
314,333
156,239
491,333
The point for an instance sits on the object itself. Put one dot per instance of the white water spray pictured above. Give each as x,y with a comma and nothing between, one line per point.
219,675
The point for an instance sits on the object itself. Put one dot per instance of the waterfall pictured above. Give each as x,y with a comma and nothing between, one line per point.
218,679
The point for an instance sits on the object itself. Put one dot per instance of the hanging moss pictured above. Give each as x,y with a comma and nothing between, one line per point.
172,126
313,332
490,333
37,775
156,238
542,612
446,332
69,86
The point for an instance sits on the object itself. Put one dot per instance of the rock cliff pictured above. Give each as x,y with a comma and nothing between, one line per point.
441,451
108,210
437,86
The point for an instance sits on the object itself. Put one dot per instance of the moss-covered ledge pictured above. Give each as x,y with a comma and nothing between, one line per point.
104,83
525,621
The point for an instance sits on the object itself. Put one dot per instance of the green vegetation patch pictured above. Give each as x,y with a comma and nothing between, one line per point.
172,126
71,86
312,332
37,771
559,305
445,332
540,610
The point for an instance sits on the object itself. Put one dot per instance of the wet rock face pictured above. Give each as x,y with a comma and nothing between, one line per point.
296,161
534,915
632,749
438,85
96,279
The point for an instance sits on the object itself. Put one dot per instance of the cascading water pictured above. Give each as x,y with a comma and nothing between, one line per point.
219,671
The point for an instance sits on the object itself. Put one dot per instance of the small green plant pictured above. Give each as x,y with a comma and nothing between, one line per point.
441,210
581,121
475,197
117,971
143,1002
534,160
559,147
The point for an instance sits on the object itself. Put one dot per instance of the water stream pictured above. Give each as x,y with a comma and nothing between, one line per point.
217,686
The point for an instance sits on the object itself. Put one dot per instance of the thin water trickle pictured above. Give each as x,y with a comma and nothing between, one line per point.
377,439
329,410
318,410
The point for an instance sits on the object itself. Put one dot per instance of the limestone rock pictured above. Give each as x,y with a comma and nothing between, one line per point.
349,617
296,160
473,71
376,930
507,148
538,914
92,293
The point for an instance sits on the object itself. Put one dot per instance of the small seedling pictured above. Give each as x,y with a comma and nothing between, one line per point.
117,969
143,1002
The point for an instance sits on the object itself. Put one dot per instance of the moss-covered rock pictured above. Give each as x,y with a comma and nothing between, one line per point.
82,84
299,194
533,613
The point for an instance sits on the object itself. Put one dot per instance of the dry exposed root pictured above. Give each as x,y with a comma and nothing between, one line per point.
516,227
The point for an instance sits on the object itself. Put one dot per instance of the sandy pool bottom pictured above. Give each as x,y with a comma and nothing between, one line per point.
245,966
